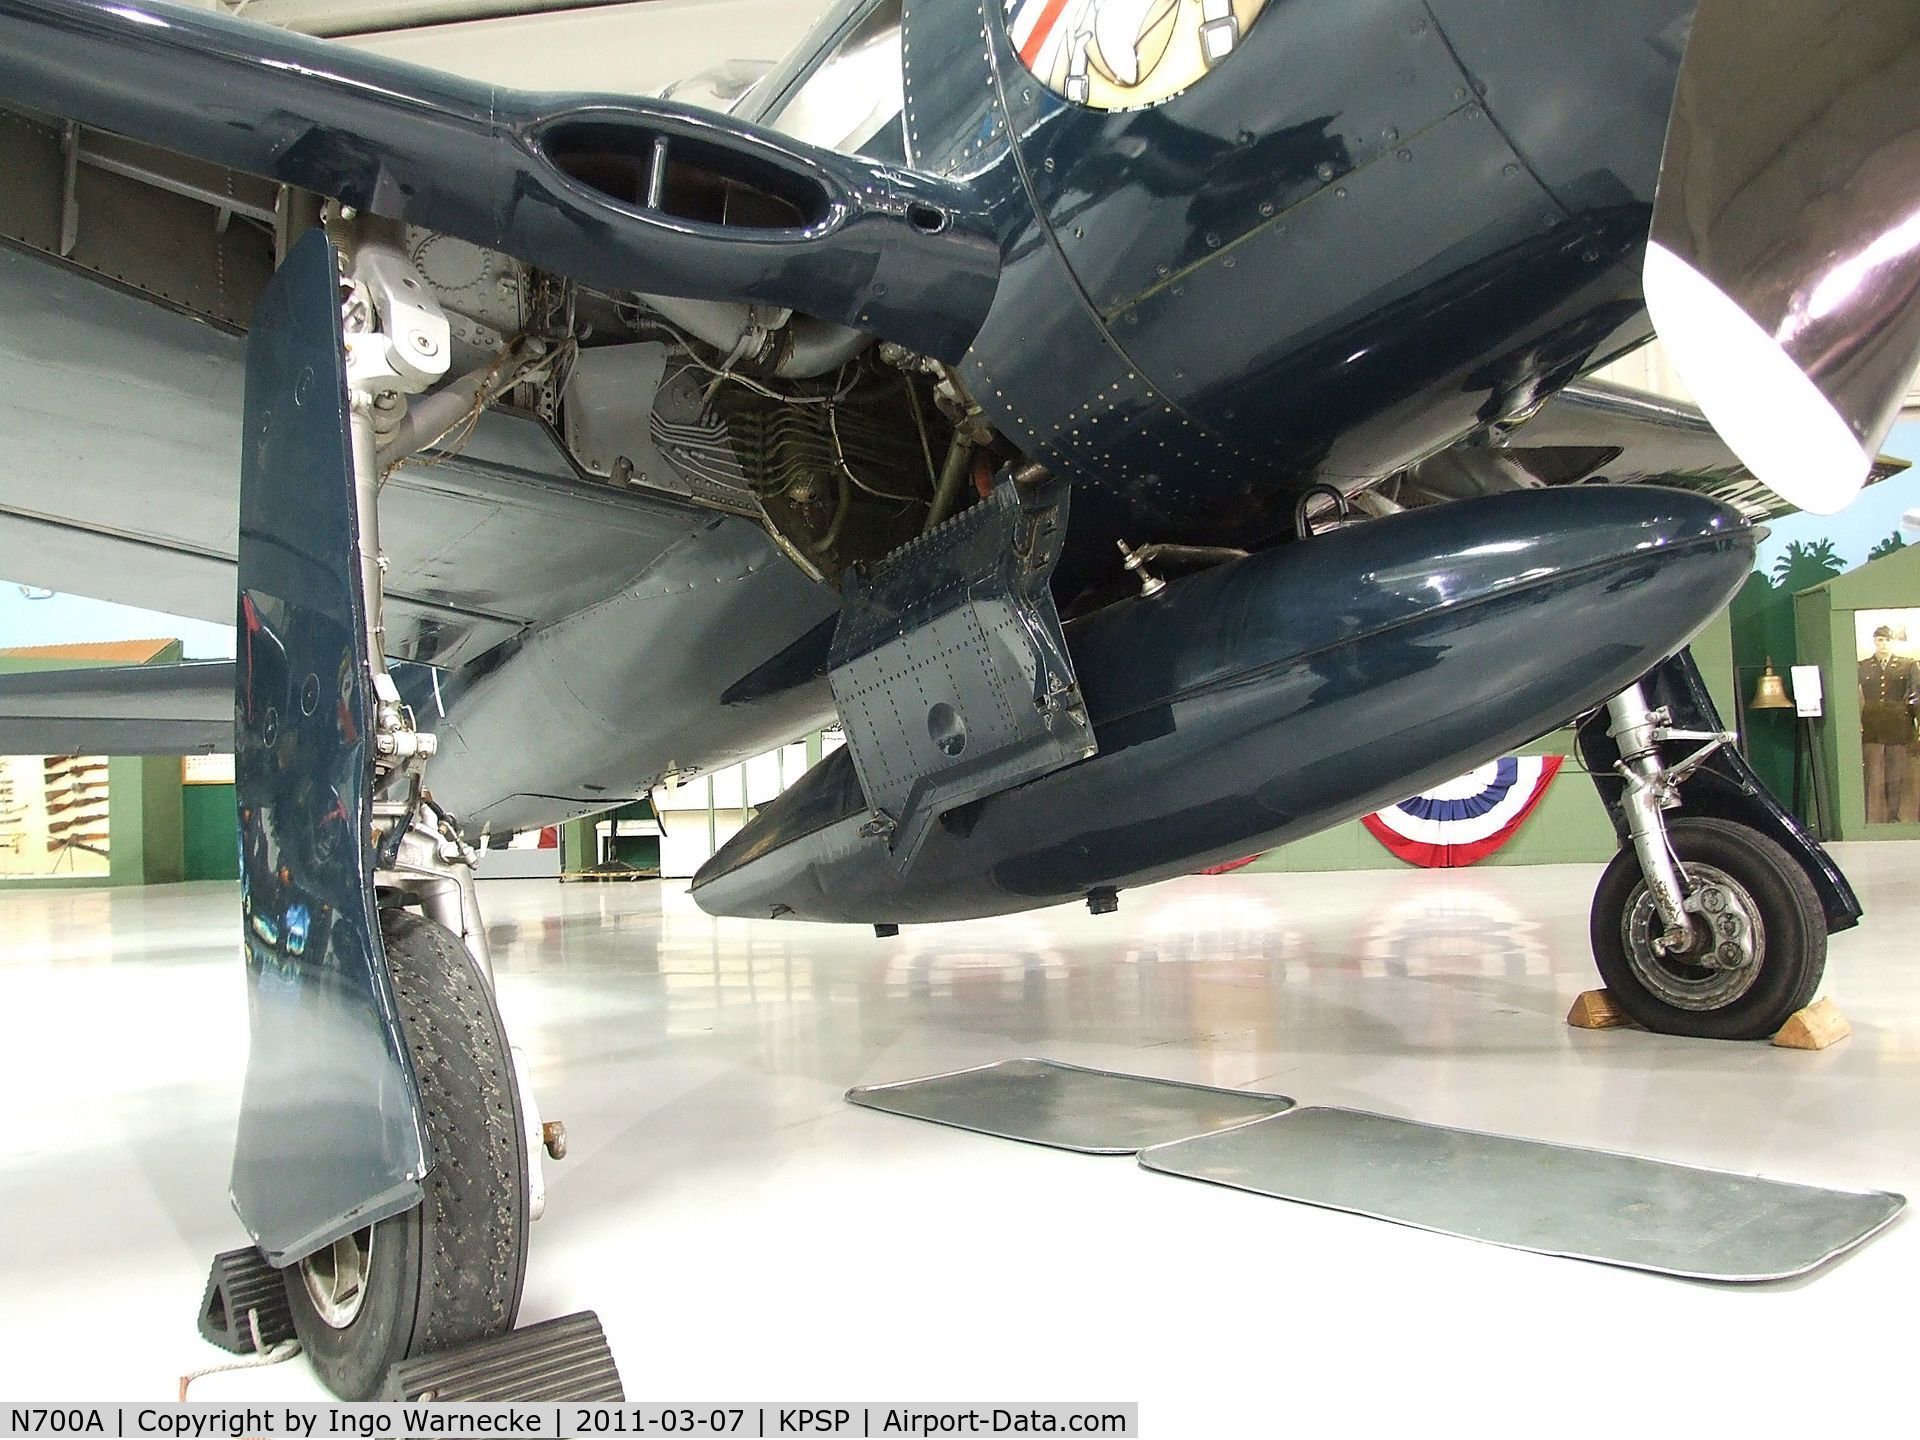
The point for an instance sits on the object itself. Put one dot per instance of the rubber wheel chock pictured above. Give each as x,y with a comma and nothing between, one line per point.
564,1359
242,1282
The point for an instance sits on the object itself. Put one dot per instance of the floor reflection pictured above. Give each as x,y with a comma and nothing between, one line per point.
1474,926
700,1064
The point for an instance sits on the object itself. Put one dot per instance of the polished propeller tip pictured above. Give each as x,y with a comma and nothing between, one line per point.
1784,253
1764,405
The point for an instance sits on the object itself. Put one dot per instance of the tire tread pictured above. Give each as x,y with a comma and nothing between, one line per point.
450,1270
474,1216
1796,936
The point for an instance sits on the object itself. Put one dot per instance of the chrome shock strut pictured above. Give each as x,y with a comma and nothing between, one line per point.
1652,789
398,344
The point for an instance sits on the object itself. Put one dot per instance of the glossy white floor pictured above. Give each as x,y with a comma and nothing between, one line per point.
746,1235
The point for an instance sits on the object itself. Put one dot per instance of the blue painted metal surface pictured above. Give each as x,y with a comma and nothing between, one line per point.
1269,698
949,671
560,181
1328,259
1360,240
330,1135
1378,230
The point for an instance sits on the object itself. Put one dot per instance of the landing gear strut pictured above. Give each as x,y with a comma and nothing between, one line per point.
387,1161
448,1271
1701,926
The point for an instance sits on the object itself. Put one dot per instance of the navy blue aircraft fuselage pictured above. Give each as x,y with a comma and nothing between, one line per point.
1211,273
1154,430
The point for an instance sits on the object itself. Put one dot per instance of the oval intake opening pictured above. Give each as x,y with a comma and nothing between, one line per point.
685,178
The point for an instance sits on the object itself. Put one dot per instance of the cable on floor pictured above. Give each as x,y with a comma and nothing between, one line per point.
262,1355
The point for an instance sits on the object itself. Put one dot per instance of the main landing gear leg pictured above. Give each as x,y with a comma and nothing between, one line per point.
1700,926
387,1162
449,1271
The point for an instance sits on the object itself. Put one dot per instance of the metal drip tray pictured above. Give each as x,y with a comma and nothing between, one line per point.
1043,1102
1527,1195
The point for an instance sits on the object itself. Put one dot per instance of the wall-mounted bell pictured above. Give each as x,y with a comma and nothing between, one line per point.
1771,693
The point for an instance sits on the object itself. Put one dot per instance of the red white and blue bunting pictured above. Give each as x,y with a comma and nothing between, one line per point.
1465,820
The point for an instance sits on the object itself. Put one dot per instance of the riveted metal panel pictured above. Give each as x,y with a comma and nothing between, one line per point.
949,670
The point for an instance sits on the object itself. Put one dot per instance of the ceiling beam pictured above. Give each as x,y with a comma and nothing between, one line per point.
367,17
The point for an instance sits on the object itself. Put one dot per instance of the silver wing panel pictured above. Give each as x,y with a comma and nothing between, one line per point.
119,479
181,709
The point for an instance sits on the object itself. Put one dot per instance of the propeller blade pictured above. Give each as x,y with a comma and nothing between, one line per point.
1783,268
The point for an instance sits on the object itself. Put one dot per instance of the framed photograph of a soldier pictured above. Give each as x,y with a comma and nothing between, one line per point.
1887,646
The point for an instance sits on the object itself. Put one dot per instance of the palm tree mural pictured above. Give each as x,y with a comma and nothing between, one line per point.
1802,566
1887,546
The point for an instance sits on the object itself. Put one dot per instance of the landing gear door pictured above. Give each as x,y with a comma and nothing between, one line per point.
949,667
330,1137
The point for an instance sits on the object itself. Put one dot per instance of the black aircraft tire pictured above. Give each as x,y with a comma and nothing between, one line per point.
1791,927
449,1270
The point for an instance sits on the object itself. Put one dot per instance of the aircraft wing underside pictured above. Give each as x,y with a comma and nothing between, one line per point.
507,536
1596,433
120,481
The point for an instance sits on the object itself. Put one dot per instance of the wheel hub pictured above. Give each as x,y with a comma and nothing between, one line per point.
1720,958
336,1278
